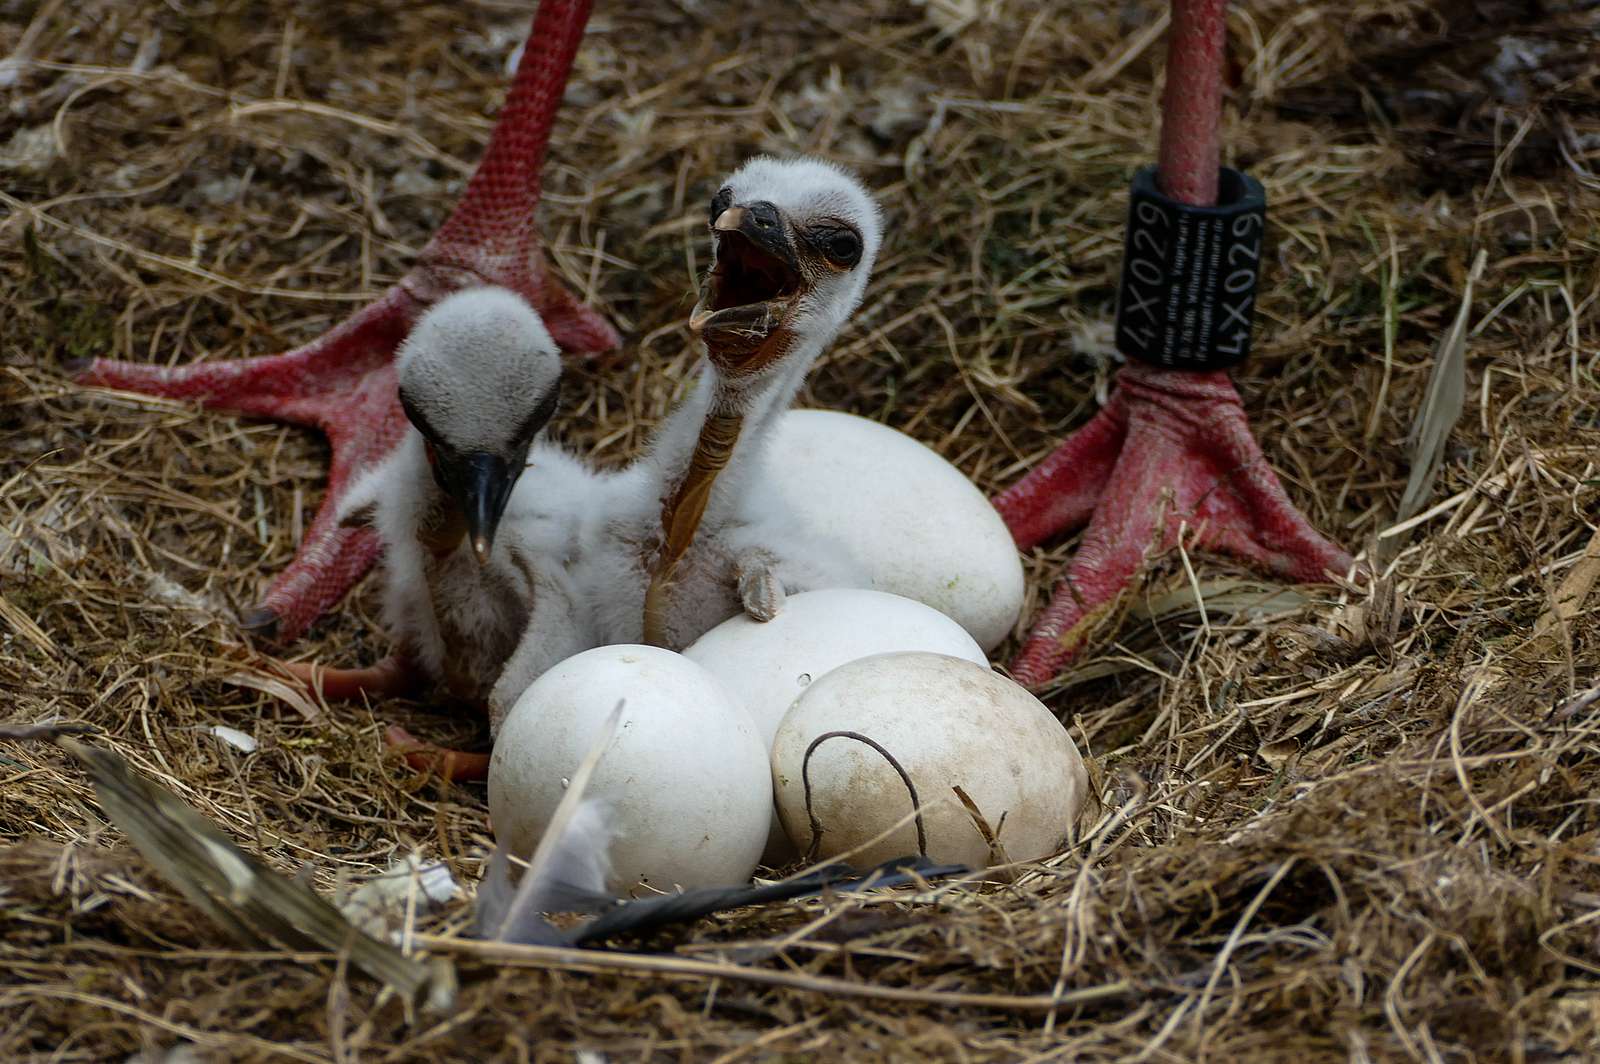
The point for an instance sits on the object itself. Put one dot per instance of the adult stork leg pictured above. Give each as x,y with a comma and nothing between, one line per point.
1172,448
343,382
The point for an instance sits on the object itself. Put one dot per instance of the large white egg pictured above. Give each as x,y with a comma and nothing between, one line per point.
948,722
685,781
913,520
767,665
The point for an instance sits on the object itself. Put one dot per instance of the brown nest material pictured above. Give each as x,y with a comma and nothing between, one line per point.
1363,829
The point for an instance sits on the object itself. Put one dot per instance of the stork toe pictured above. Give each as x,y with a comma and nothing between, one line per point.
393,677
460,766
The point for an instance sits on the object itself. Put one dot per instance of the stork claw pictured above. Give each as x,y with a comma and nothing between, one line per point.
260,621
1180,456
343,382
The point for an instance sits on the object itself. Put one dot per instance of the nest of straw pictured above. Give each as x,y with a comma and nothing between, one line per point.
1357,825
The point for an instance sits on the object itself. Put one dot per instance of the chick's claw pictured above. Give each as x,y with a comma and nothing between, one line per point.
458,766
760,590
393,677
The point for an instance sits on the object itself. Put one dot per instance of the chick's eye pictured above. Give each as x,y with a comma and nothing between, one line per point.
842,246
414,415
720,202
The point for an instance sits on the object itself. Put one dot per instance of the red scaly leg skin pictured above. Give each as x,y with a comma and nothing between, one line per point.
363,424
300,386
1246,513
1122,528
1062,491
1191,107
491,233
1189,462
343,382
573,326
1187,457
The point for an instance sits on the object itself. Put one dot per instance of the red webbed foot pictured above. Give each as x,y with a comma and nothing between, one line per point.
459,766
1171,453
343,382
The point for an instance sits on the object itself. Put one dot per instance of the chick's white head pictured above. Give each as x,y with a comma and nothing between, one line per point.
795,240
479,378
478,367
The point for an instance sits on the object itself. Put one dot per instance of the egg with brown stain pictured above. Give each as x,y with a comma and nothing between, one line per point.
766,665
861,741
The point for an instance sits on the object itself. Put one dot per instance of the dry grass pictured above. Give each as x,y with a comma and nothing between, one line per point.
1366,830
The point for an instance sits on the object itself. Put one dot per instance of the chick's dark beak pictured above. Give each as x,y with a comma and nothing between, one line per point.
752,285
762,225
480,483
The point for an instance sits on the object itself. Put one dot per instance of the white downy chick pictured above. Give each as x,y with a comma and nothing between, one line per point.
688,534
479,378
794,244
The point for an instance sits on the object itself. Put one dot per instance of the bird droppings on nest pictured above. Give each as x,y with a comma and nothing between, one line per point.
1343,829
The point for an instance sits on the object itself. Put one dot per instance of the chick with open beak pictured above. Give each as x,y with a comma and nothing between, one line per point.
793,245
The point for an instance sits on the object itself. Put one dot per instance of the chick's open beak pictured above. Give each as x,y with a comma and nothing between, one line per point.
756,278
480,483
762,224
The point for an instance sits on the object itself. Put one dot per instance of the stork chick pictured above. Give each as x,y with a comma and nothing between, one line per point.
794,243
479,379
687,536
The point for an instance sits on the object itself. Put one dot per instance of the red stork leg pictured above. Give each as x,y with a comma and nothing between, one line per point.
1172,448
343,382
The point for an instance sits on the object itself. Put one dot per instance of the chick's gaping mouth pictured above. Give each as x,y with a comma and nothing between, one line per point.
746,292
747,273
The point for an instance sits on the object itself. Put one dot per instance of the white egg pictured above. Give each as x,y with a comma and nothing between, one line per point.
685,782
947,722
916,524
766,666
